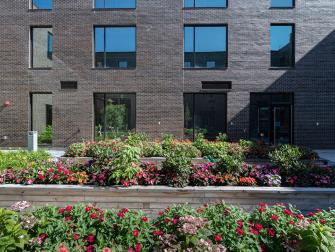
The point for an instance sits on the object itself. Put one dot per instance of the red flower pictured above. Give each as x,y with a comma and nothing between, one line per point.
271,232
101,218
258,227
41,238
124,210
138,247
106,249
300,216
240,231
144,219
67,218
61,210
62,249
254,231
322,221
136,233
310,214
318,210
93,216
68,208
89,248
263,204
175,221
200,210
160,213
288,212
131,250
158,232
261,210
240,223
274,217
120,215
166,220
76,237
90,238
50,170
217,238
292,222
88,209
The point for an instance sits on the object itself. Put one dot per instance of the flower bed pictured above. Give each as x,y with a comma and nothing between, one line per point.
216,227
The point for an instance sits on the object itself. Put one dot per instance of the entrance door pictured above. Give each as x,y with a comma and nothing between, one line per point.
282,124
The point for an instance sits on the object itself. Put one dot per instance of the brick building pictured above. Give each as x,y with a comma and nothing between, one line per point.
260,69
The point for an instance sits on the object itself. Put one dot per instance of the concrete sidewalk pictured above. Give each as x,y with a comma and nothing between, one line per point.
328,155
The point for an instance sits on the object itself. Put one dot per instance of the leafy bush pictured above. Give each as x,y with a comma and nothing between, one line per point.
105,150
46,136
12,235
152,149
287,157
22,159
77,150
136,139
222,137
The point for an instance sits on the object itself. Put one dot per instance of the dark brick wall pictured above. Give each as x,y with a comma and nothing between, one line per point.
159,79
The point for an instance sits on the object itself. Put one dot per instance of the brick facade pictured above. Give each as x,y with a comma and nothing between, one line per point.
159,80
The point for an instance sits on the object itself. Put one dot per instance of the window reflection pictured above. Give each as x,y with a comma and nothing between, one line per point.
41,4
282,48
115,4
41,47
205,46
205,3
282,3
114,115
115,47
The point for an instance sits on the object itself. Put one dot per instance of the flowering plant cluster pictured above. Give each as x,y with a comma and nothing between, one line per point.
212,228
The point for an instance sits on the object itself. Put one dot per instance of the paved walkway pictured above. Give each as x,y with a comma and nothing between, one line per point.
328,155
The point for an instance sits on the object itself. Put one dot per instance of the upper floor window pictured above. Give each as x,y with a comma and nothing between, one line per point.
205,46
115,47
205,3
282,3
117,4
41,4
282,45
41,47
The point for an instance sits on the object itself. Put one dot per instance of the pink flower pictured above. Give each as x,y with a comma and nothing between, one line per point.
62,248
89,248
42,237
138,247
258,227
291,222
76,237
93,216
67,218
90,238
88,209
300,216
261,210
68,208
240,223
106,249
158,233
274,217
240,231
120,215
160,213
144,219
61,210
217,238
288,212
136,233
322,221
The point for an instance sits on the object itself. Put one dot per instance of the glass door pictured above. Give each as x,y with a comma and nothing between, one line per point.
282,124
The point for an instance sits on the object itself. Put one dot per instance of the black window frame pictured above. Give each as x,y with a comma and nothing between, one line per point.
31,8
204,7
109,8
94,46
293,47
31,60
227,46
112,93
193,117
282,7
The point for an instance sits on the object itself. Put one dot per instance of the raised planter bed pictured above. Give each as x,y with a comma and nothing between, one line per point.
154,198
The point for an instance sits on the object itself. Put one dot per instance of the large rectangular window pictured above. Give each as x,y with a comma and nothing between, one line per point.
271,117
115,4
205,46
282,3
41,47
205,3
115,47
114,115
282,45
41,4
205,113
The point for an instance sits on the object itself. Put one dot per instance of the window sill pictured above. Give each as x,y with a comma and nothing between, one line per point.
40,68
113,9
39,10
281,8
203,8
112,68
204,68
281,68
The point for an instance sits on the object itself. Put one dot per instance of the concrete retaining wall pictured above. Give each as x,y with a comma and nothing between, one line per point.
155,198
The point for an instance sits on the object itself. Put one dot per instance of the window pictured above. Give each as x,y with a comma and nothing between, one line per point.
115,47
205,3
271,117
282,45
41,4
282,3
117,4
41,47
114,115
205,46
49,53
205,113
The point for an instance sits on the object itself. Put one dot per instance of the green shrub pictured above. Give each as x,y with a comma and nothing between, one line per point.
104,150
136,139
152,149
22,159
287,157
46,136
12,235
77,150
222,137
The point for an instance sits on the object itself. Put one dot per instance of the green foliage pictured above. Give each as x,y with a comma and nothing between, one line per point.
136,139
77,150
222,137
126,163
152,149
12,236
105,150
46,136
287,157
22,159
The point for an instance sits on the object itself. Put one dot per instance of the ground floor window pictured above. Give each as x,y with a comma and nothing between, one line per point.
114,115
271,117
205,113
